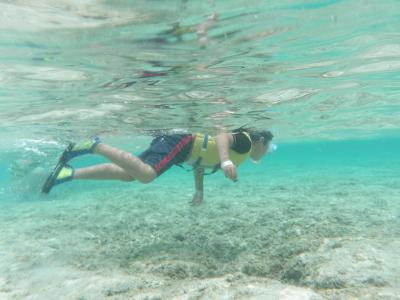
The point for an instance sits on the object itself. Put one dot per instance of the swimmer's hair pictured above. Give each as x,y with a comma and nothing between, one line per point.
256,134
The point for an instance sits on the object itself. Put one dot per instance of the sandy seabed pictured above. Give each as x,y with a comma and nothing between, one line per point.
318,238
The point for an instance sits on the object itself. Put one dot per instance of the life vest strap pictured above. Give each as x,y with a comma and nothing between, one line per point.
214,169
204,147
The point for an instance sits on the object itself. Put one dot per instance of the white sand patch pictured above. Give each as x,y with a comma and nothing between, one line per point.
362,262
60,282
239,287
67,283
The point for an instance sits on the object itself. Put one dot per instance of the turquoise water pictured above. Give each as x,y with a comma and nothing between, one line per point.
317,219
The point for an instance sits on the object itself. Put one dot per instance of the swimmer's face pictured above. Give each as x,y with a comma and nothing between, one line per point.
259,149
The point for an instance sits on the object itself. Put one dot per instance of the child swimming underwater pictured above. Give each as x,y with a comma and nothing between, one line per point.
225,151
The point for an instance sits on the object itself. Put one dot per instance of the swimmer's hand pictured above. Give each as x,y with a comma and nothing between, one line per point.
197,198
229,170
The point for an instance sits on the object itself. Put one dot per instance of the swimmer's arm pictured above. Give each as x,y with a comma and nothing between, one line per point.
198,181
224,142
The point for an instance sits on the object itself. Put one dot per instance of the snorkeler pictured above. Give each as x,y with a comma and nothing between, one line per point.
225,151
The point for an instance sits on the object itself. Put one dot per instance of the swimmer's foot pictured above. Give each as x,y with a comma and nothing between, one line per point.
75,150
197,199
61,173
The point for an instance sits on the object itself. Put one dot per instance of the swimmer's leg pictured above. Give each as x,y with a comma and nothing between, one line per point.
131,164
106,171
64,173
126,167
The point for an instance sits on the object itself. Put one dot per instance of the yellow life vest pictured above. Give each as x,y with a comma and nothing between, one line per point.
205,152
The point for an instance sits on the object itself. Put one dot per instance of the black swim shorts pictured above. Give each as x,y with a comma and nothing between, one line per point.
166,151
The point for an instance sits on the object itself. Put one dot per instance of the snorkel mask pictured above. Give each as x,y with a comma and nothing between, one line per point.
271,149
